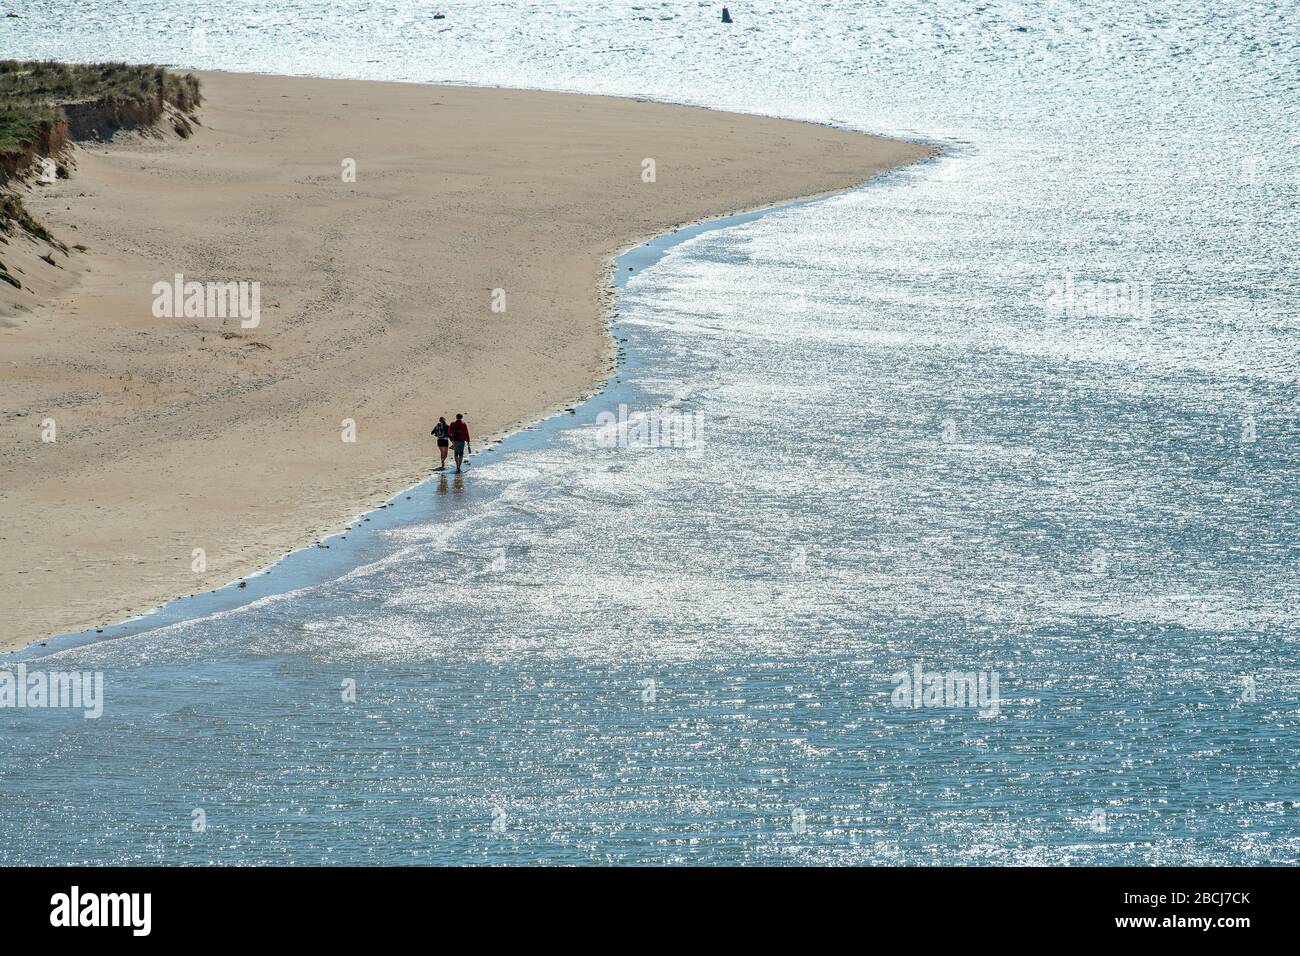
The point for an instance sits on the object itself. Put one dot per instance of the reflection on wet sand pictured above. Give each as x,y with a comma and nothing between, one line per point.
457,484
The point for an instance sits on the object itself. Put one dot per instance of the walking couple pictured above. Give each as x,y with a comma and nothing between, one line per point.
457,435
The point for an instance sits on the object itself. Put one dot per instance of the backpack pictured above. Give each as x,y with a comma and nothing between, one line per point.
439,430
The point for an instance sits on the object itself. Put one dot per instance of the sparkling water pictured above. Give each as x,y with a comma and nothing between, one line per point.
1026,414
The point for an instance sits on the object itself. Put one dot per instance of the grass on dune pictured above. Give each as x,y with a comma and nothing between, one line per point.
46,85
20,126
38,99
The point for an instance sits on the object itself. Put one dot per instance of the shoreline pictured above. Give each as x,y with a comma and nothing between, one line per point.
311,566
580,385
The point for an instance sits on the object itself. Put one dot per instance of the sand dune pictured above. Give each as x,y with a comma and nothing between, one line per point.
376,306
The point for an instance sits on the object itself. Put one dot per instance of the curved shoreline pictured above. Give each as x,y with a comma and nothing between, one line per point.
312,566
295,513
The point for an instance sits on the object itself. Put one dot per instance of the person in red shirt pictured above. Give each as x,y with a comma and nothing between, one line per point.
458,432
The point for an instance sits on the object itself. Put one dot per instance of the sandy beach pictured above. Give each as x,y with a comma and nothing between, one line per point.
376,306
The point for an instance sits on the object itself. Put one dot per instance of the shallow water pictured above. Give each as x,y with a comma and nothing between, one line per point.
912,451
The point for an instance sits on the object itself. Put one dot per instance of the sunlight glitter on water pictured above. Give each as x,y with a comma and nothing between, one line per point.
909,455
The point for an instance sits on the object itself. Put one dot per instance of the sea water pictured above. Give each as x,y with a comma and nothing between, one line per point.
1023,416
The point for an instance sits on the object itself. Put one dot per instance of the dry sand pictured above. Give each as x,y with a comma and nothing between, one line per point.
183,433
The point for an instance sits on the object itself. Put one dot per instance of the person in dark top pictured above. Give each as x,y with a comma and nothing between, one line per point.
458,431
440,432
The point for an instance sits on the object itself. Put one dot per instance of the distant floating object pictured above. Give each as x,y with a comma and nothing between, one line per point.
726,15
440,16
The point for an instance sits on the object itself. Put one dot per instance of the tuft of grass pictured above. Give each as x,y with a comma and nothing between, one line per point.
6,277
14,215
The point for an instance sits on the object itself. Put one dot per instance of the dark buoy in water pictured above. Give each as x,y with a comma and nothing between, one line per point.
726,15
